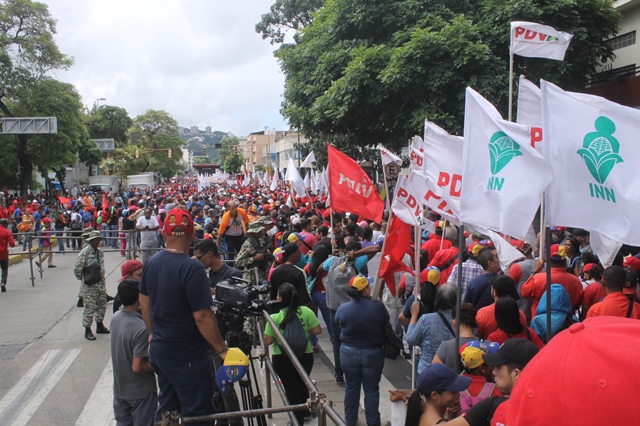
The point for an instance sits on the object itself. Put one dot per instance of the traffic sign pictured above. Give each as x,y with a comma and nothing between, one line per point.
392,170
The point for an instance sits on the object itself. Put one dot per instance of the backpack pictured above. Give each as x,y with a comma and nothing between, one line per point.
467,401
76,224
296,337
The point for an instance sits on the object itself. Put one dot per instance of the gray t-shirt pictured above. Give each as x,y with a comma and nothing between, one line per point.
448,354
129,339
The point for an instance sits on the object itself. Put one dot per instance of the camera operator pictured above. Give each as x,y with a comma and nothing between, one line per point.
176,307
254,253
206,252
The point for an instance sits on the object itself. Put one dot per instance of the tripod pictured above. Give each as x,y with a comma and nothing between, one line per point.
237,336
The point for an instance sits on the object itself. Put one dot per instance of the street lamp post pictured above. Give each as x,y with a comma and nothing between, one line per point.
98,101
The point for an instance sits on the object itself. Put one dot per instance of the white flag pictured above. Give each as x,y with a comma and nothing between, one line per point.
388,157
294,177
417,162
307,163
443,153
314,182
503,176
274,181
427,190
594,162
406,202
538,41
530,111
307,181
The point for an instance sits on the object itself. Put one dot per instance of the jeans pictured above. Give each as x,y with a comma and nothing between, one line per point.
184,385
336,342
113,234
362,367
319,299
59,235
234,243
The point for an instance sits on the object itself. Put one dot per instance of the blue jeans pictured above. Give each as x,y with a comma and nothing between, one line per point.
59,234
335,340
186,386
320,301
114,234
362,367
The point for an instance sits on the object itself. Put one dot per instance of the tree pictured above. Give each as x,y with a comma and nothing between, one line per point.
233,163
286,15
109,121
89,153
228,146
154,134
365,73
27,53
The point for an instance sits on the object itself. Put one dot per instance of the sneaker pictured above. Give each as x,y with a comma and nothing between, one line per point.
37,264
52,266
3,288
340,380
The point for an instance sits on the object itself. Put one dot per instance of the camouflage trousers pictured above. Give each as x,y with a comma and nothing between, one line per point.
95,303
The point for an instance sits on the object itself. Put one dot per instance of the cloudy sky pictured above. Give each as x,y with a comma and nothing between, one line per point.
199,60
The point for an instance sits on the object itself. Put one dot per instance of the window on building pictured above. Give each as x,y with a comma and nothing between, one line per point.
623,40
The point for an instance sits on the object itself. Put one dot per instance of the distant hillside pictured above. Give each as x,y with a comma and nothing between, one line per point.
197,143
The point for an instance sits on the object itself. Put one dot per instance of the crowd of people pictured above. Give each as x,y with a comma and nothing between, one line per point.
317,263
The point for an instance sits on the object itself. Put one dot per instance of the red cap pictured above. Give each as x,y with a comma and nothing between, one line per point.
591,375
558,252
178,223
46,220
129,267
588,267
632,262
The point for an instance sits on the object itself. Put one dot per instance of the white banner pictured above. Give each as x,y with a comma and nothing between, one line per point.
504,177
426,190
417,161
388,157
538,41
594,162
530,111
294,177
308,162
406,202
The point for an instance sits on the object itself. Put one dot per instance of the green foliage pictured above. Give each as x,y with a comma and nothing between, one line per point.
286,15
229,145
364,72
153,134
89,153
109,122
233,163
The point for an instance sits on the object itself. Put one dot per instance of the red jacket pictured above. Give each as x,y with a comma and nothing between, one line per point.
6,238
535,287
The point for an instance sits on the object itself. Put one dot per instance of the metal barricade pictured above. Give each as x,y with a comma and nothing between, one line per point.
317,403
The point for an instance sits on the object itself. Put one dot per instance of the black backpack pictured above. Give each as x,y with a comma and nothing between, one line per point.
296,337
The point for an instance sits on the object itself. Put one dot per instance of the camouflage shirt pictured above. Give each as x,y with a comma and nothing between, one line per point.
89,256
244,259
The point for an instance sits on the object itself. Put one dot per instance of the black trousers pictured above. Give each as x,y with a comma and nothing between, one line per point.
296,390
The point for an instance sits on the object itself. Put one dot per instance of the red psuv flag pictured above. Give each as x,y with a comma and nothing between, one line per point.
350,188
398,239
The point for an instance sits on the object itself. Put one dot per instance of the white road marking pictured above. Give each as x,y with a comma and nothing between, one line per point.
24,398
98,410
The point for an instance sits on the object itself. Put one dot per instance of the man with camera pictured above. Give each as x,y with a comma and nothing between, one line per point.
254,253
176,303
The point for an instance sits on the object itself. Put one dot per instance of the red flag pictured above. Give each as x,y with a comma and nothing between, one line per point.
397,240
105,202
350,188
64,201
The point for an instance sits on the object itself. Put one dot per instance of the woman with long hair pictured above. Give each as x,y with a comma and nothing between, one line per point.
448,353
572,250
509,325
361,322
292,310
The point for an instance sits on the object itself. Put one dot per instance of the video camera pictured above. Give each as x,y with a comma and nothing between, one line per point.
242,297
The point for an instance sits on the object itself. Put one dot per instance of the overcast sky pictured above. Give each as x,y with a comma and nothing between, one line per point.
199,60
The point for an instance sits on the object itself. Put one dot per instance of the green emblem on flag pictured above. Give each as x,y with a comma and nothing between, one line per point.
502,149
600,149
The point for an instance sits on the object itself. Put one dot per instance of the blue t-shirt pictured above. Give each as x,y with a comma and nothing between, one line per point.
177,287
362,322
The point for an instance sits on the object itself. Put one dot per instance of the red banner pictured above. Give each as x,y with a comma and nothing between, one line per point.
397,240
350,188
64,201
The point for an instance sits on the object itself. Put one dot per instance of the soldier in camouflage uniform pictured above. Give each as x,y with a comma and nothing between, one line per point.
95,296
266,239
254,253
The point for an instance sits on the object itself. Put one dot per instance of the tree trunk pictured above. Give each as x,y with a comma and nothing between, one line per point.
26,167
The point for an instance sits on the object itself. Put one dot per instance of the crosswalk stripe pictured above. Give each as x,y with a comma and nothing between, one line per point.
24,398
99,408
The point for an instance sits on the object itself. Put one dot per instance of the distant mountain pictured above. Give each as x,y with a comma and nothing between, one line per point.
204,139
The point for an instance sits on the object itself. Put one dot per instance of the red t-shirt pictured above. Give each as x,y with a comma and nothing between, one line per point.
535,287
593,294
6,238
441,258
500,336
486,319
615,305
432,245
500,417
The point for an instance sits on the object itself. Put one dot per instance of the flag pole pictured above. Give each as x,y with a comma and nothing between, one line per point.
547,231
510,85
444,226
377,288
459,289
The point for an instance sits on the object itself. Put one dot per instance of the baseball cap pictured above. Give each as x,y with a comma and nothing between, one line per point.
471,352
631,282
436,377
560,229
359,282
430,275
129,267
288,249
514,351
178,223
295,236
582,377
557,252
588,267
632,262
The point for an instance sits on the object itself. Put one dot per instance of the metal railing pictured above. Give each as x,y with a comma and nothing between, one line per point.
317,404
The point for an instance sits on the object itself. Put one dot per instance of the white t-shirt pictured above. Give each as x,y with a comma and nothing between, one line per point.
151,223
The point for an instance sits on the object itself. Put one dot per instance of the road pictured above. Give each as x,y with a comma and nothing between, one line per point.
50,374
